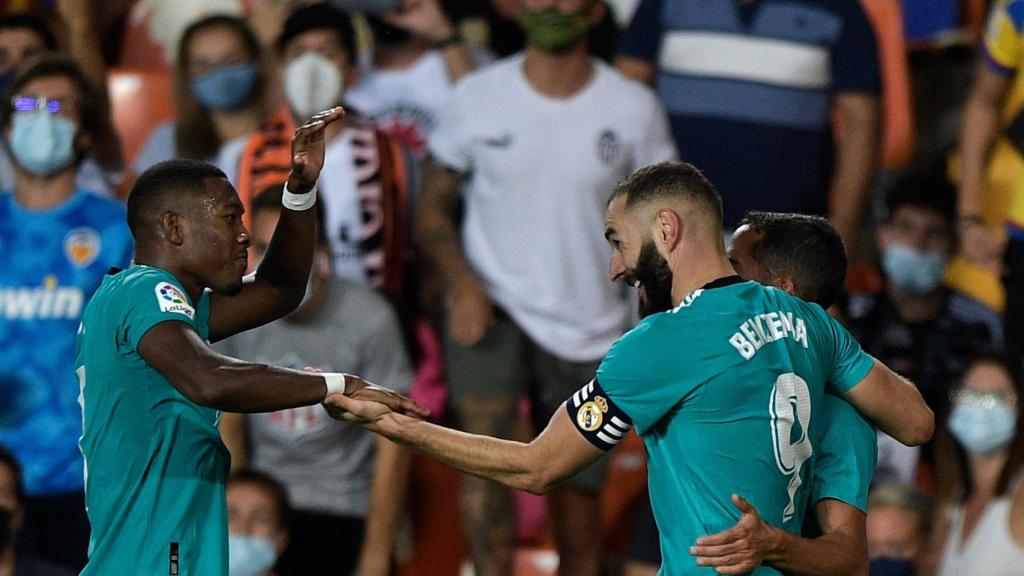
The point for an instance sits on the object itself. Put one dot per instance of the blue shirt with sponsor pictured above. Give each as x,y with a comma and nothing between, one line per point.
54,259
748,89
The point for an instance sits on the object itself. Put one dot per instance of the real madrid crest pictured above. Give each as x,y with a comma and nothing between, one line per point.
590,416
82,246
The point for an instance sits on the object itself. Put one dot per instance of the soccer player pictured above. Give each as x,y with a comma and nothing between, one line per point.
152,388
722,388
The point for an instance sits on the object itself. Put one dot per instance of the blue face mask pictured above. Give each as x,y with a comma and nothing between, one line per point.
42,143
225,88
914,271
249,555
891,567
982,429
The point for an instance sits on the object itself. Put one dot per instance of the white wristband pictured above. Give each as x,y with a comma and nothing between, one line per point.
298,202
335,383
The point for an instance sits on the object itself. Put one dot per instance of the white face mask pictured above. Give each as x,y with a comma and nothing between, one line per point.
312,83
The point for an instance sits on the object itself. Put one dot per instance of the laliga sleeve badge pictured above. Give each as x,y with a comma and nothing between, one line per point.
82,246
590,416
172,299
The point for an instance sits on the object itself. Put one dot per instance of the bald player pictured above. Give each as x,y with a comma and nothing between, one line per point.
152,388
722,388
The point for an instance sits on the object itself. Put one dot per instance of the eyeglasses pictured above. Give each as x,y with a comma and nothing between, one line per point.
968,397
51,105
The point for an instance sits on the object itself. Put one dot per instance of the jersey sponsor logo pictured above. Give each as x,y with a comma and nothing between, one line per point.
766,328
609,148
81,246
47,302
172,299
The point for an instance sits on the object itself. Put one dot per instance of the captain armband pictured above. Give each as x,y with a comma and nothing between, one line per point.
600,421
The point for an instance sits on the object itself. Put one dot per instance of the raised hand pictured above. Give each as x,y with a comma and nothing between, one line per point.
423,18
308,150
739,549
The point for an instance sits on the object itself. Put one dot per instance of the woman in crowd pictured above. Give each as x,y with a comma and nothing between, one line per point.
220,93
980,489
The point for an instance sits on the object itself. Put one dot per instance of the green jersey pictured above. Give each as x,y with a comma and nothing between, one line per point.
725,390
155,466
845,458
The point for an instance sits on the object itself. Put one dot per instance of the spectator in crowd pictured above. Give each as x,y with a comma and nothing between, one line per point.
348,488
418,55
1000,70
15,561
528,308
915,324
220,93
23,37
735,77
58,242
899,526
258,518
364,187
981,457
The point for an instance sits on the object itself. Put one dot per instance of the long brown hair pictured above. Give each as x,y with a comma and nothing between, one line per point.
196,135
953,473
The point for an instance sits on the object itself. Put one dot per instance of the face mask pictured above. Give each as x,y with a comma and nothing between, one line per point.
891,567
914,271
225,88
312,83
6,530
983,429
42,143
249,555
553,31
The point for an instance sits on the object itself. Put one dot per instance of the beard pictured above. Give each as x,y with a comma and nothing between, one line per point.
656,279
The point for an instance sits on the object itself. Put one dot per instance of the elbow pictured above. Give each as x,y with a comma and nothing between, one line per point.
925,428
539,481
200,389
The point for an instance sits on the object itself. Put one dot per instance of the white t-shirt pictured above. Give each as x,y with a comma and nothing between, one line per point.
540,173
404,103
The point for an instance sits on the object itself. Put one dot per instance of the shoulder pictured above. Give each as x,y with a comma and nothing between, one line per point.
629,93
967,309
494,76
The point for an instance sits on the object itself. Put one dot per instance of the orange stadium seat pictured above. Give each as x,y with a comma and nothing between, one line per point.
140,100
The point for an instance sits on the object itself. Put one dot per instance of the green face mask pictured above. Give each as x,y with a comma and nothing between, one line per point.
552,31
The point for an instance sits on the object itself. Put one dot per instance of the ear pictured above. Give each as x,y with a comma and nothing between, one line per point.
171,228
786,283
668,229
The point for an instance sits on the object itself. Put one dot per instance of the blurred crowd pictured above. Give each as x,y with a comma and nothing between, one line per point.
462,257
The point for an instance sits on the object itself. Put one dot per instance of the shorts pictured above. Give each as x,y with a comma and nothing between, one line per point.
507,364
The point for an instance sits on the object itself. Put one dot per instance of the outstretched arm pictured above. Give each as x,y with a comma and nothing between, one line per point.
840,551
280,281
558,453
894,404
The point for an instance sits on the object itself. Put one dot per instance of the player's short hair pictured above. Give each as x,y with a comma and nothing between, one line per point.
31,23
905,497
804,247
48,65
267,483
322,16
173,179
927,190
7,459
670,181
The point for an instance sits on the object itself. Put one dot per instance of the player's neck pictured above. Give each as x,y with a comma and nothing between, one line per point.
985,472
42,192
692,271
560,75
162,260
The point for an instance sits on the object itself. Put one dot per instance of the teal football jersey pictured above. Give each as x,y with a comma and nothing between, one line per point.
844,461
725,390
155,465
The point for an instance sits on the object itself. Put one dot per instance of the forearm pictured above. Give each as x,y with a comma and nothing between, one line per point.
436,231
236,386
290,255
387,501
856,164
503,461
980,123
827,555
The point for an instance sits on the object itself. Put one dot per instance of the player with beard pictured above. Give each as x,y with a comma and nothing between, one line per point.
152,388
804,256
723,388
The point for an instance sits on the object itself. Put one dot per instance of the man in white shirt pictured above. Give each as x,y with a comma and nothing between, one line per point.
538,140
